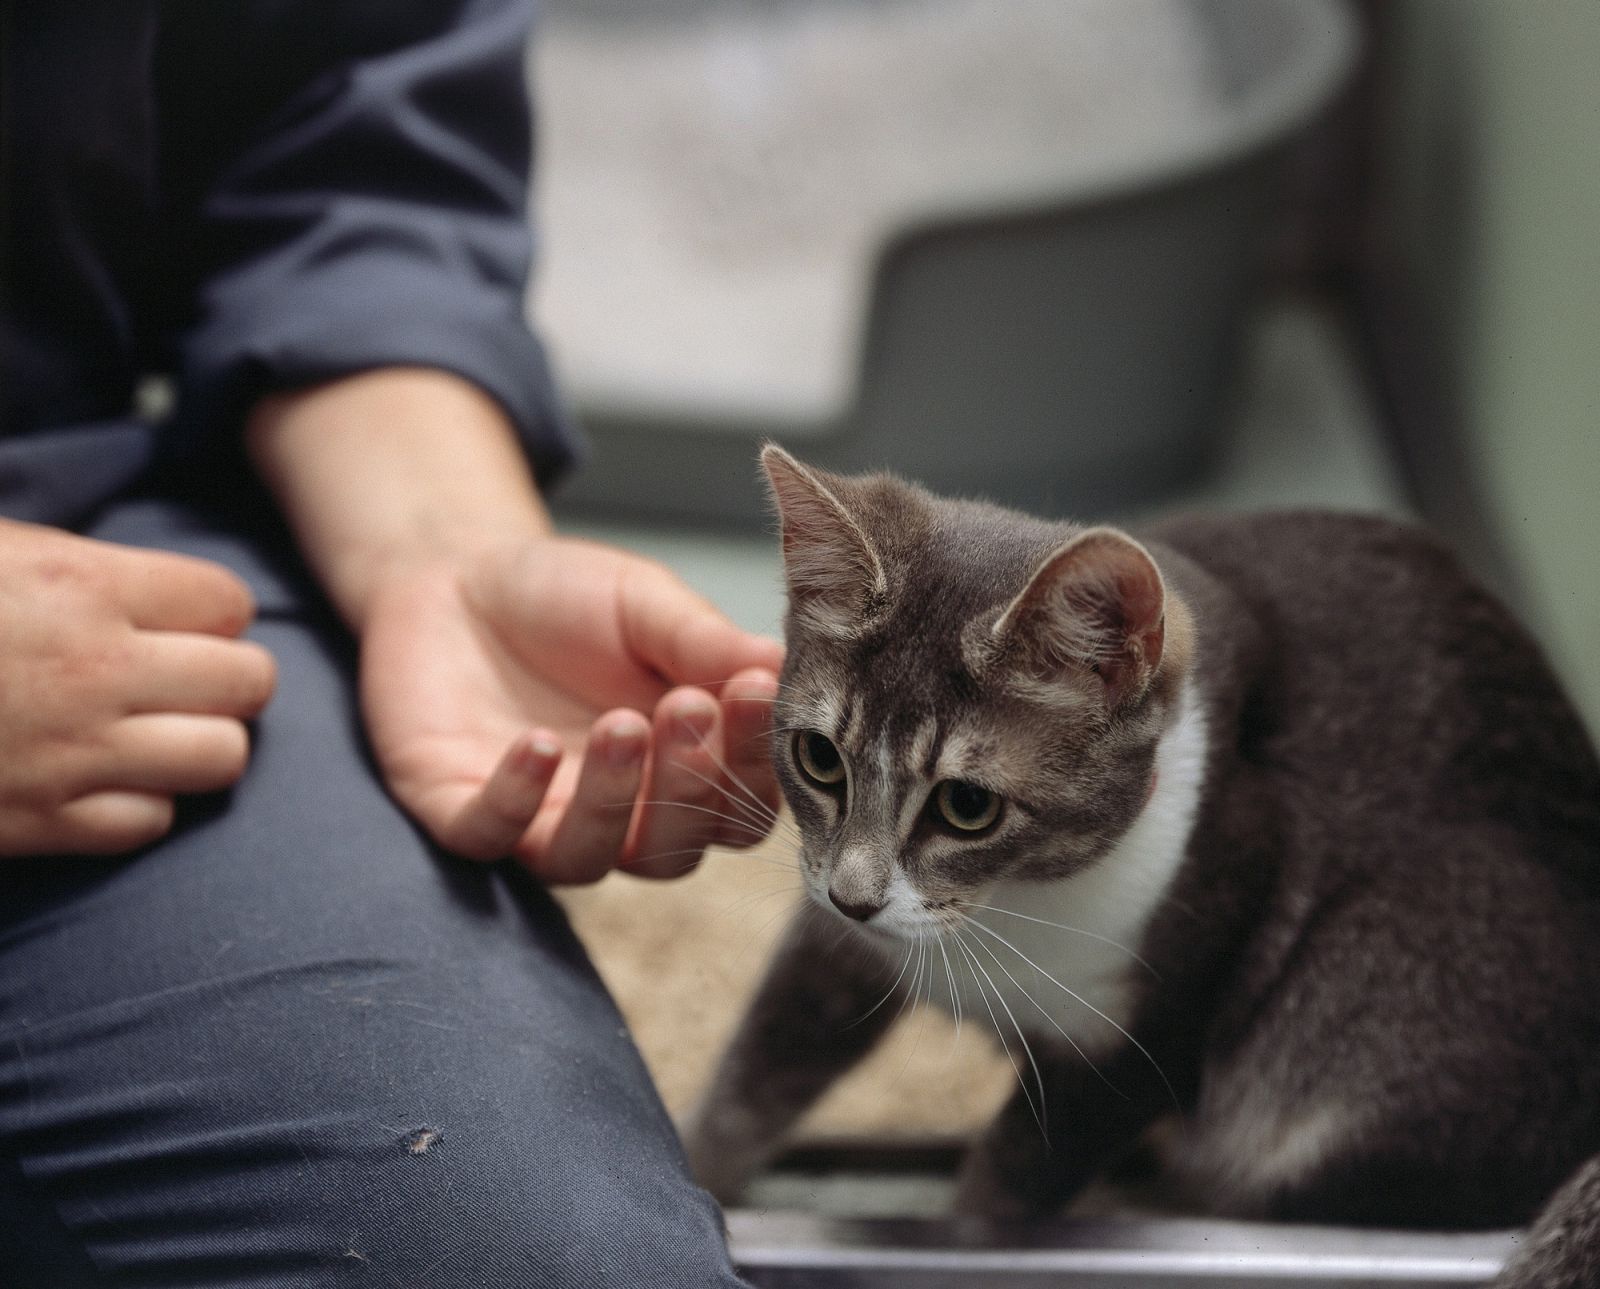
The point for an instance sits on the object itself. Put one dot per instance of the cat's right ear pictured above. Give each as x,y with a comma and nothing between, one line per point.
1096,608
835,577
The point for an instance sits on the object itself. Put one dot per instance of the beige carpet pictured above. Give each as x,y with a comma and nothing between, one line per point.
682,957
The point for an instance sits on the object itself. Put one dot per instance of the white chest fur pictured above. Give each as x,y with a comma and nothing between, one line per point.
1058,959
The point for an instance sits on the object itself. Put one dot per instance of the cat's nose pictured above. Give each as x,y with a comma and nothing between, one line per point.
851,909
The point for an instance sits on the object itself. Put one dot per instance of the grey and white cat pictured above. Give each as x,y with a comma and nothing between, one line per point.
1278,825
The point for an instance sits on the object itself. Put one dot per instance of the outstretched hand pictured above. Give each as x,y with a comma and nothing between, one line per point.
571,705
526,695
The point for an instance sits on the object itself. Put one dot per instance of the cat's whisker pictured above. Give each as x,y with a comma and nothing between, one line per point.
1022,1082
906,998
1062,926
955,998
750,855
783,857
893,986
913,994
715,685
1140,1047
927,977
929,1005
1045,1012
737,906
771,861
764,820
737,912
1041,1111
636,860
786,831
918,1002
760,931
778,824
744,801
759,737
782,860
842,935
781,865
761,808
690,805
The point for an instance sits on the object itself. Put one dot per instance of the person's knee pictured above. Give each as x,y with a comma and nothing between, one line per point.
461,1209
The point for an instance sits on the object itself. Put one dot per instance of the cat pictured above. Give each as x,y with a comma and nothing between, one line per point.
1277,826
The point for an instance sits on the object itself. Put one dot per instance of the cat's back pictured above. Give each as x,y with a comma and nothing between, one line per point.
1429,932
1311,568
1378,661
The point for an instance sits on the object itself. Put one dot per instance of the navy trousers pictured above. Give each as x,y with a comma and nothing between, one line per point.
292,1045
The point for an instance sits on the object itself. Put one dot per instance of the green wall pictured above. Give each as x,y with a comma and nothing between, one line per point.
1494,158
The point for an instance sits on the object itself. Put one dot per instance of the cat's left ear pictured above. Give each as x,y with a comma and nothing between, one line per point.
1095,607
834,575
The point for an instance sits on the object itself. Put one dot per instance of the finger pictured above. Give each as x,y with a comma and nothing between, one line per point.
172,752
163,591
588,838
683,636
684,805
747,764
492,819
111,823
180,671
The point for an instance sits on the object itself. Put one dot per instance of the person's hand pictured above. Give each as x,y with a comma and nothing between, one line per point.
525,695
571,705
122,685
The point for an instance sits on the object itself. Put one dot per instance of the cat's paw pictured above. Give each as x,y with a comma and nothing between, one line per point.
722,1159
984,1192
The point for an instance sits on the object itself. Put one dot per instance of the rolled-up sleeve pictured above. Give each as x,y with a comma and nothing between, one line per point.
370,212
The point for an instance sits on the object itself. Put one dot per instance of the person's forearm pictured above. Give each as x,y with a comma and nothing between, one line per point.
391,467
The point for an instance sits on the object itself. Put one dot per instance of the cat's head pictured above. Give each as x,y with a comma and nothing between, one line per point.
970,694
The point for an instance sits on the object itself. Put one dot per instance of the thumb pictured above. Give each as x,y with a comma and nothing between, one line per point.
682,636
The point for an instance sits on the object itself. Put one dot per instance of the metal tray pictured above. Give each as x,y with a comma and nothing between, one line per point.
785,1250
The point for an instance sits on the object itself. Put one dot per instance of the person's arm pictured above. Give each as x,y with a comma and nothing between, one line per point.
525,693
385,470
345,188
360,232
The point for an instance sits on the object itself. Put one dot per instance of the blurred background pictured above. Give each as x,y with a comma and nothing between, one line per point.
1095,258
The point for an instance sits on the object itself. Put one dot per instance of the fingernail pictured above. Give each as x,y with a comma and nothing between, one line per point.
531,755
760,686
693,724
624,748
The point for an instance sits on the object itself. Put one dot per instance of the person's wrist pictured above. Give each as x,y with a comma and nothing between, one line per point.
359,576
461,568
392,471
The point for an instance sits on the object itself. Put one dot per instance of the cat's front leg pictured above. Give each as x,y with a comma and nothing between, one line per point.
826,999
1060,1127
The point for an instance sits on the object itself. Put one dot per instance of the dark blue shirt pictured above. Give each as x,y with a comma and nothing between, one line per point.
248,196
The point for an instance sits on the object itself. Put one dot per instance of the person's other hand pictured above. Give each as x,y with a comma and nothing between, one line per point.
122,686
571,705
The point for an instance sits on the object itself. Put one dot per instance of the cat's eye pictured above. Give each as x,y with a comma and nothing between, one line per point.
818,758
966,806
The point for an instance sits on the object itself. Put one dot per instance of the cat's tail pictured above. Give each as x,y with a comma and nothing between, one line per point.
1561,1250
